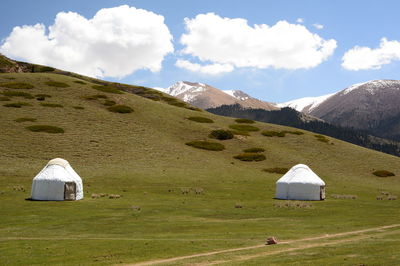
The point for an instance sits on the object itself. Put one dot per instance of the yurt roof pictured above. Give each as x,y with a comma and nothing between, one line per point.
301,173
58,161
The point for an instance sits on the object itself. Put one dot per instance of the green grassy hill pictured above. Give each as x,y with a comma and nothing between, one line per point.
142,156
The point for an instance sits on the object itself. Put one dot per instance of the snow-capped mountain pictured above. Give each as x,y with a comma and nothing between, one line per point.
306,104
372,106
205,96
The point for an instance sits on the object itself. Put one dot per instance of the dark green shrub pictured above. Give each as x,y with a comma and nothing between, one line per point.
17,85
51,105
107,89
276,170
56,84
4,99
383,173
40,98
79,82
43,95
95,97
254,150
17,105
109,103
206,145
271,133
295,132
244,128
244,121
174,101
78,107
221,134
322,138
194,108
249,157
25,119
45,128
18,94
122,109
200,119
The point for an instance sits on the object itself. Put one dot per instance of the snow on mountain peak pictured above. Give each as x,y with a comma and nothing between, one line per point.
240,95
373,85
302,103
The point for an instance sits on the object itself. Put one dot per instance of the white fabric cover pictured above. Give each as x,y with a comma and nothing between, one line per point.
49,183
299,183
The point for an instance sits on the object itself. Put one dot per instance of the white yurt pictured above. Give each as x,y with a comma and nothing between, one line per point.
57,181
300,183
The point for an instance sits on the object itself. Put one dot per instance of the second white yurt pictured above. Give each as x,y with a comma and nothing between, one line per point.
57,181
300,183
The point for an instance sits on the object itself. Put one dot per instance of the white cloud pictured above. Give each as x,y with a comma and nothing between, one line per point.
318,26
361,58
212,69
115,42
300,20
232,41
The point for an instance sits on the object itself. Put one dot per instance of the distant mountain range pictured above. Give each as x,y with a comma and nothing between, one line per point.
205,96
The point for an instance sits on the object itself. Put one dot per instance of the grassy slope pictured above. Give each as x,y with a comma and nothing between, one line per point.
142,156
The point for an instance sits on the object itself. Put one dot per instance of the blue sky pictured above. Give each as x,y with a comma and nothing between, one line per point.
348,23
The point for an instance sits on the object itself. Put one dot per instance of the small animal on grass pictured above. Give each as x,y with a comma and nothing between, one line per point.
95,196
271,241
114,196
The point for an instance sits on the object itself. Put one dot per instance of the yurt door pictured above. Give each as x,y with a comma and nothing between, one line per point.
322,192
69,191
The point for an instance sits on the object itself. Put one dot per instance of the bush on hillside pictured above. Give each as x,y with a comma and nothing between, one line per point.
25,119
295,132
45,128
221,134
206,145
271,133
383,173
109,103
122,109
78,107
244,128
79,82
17,85
43,95
42,69
95,97
254,150
322,138
276,170
249,157
4,99
244,121
108,89
200,119
18,94
56,84
17,105
51,105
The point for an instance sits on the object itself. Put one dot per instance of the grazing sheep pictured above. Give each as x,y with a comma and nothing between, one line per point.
392,197
238,206
199,190
185,190
114,196
136,208
379,198
95,196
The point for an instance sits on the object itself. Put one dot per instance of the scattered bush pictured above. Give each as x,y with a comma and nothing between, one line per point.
45,128
4,99
43,95
337,196
271,133
25,119
200,119
221,134
51,105
249,157
18,94
174,102
107,89
293,204
193,108
56,84
122,109
383,173
42,69
109,103
95,97
206,145
254,150
244,128
322,138
276,170
244,121
17,105
295,132
78,107
79,82
17,85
